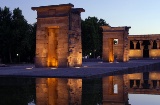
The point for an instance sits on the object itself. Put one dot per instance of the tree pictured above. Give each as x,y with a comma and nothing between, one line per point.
92,36
17,37
5,35
29,43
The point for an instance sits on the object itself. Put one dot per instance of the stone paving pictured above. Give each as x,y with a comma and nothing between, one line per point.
88,70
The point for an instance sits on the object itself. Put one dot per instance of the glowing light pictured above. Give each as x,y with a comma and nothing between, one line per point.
110,62
17,54
53,68
85,66
77,67
29,68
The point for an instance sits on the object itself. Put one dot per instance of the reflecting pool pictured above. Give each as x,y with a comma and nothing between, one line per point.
127,89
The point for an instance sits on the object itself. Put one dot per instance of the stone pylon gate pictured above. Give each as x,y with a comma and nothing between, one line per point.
111,33
58,37
114,91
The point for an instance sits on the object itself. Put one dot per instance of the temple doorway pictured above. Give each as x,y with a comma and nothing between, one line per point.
52,47
146,43
111,50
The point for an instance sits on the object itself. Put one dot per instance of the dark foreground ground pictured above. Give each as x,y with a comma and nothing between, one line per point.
88,70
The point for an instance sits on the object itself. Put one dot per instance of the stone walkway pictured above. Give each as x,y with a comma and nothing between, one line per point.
88,70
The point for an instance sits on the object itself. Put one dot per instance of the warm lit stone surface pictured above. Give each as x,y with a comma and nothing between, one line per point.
111,33
116,88
58,37
152,48
111,97
57,91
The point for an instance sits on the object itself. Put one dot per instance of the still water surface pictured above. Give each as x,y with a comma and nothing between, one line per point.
22,91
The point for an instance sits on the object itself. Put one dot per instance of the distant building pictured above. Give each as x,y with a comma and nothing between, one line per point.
118,45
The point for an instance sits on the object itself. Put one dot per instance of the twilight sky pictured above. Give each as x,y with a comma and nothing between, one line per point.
142,15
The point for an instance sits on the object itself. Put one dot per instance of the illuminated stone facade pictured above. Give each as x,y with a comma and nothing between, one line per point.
143,83
56,91
114,91
144,46
128,46
58,37
111,33
116,88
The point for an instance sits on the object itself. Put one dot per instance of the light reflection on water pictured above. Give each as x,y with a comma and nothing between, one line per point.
31,103
22,91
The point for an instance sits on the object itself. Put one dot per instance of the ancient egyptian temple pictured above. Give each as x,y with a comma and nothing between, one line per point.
58,37
128,46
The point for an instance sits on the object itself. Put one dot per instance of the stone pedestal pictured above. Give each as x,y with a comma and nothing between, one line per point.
58,36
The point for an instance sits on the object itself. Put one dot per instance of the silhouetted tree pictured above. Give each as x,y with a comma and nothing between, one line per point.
5,34
17,37
92,36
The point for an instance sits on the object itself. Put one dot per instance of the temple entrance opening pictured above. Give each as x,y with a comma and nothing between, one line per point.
146,43
52,47
111,50
115,44
58,36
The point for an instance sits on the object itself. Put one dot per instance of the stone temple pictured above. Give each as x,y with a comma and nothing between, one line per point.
58,37
128,46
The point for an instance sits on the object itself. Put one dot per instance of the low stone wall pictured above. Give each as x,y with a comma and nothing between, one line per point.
135,53
154,53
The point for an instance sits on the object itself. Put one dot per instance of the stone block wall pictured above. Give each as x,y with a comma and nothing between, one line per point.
109,97
56,91
136,53
154,53
75,45
58,37
152,39
111,33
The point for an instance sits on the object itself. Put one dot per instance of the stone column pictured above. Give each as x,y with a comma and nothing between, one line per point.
141,81
151,46
151,86
157,41
141,47
157,87
150,82
134,85
134,43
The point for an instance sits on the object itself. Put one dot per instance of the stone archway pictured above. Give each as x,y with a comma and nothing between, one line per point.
58,36
52,58
111,33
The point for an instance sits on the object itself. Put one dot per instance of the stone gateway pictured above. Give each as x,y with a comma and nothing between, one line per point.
58,36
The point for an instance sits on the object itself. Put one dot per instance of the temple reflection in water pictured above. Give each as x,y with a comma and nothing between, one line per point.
109,90
52,91
115,89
